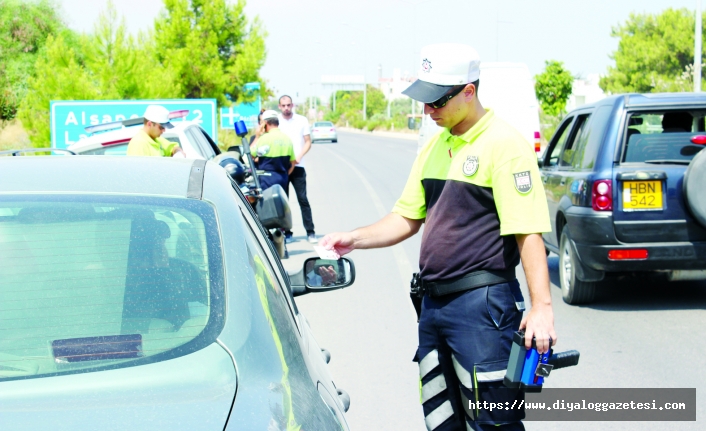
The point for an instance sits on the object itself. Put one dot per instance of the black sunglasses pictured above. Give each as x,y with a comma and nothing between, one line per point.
446,97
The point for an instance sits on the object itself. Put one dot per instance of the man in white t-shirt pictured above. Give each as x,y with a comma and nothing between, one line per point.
297,128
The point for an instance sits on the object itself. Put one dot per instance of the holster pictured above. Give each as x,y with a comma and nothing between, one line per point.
416,293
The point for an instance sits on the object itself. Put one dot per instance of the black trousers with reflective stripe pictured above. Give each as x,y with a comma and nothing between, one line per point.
466,338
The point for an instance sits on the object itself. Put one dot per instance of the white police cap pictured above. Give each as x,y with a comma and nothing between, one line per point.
443,66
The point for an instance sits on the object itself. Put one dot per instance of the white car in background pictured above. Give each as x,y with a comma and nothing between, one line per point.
111,139
324,131
508,89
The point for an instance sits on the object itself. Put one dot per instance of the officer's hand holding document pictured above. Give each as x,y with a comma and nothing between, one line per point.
326,254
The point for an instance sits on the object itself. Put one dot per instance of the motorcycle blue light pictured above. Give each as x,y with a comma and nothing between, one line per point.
240,128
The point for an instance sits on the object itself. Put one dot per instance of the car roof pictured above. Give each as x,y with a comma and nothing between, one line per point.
96,140
657,100
662,99
95,174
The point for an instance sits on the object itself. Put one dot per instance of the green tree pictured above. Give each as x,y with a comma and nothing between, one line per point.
107,64
553,87
211,47
24,27
125,67
58,75
349,104
655,53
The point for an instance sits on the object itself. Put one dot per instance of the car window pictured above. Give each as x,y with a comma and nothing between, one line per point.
662,136
323,124
174,139
578,135
95,282
211,145
557,144
587,148
259,231
196,141
267,281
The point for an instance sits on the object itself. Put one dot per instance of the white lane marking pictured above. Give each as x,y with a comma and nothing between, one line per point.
401,259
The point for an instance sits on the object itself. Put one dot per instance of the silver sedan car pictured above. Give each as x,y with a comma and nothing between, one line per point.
142,294
324,131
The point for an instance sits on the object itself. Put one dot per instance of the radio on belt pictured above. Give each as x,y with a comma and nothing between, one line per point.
527,369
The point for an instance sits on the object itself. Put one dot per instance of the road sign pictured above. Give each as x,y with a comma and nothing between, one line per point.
70,117
247,112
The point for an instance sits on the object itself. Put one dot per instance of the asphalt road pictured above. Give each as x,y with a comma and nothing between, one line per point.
637,334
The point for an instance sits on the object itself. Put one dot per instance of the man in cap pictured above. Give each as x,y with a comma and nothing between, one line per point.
273,151
149,141
476,186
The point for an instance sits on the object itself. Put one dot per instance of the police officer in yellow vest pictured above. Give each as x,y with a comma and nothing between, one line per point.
149,141
476,186
273,152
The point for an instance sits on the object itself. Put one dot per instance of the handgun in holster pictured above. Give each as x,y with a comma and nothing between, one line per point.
416,293
526,369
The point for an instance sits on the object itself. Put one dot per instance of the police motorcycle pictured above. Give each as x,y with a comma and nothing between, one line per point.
271,205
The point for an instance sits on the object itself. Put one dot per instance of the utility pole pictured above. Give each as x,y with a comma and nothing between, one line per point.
697,49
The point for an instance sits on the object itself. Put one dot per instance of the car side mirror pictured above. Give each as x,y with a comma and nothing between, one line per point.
540,162
322,275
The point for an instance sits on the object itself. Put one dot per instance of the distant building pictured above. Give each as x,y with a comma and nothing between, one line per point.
392,87
585,91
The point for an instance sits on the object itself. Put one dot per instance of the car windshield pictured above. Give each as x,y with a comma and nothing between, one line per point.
95,282
323,124
664,136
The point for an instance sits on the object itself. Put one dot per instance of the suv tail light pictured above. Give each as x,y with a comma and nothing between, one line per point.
699,140
602,196
537,142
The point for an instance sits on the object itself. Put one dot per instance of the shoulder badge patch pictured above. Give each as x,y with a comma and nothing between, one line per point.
470,166
523,181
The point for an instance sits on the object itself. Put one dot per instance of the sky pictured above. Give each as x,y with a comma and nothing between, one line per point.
311,38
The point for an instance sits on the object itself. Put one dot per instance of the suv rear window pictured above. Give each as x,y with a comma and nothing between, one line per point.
662,137
94,282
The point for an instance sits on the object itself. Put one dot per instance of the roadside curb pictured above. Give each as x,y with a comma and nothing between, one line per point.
399,135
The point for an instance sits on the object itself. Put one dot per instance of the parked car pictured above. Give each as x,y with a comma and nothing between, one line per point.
324,131
141,293
624,184
193,139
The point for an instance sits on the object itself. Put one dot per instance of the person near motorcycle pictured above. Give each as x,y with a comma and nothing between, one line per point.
273,152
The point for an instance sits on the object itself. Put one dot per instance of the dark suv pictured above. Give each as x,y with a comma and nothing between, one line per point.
624,179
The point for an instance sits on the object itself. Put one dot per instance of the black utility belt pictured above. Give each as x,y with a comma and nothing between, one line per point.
470,281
